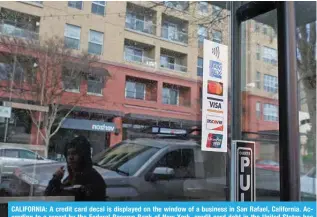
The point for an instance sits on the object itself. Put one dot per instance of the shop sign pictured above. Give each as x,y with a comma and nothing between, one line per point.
89,125
243,171
215,97
5,112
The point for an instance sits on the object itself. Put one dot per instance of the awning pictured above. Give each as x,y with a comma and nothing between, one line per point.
86,69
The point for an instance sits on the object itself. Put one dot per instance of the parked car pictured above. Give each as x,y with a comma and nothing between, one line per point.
13,157
268,165
142,169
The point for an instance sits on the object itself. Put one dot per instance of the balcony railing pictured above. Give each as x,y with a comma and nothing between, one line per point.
10,30
174,66
174,35
140,26
139,59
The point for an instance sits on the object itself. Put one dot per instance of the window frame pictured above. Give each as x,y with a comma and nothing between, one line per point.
258,109
169,89
89,41
200,67
267,112
135,90
70,78
99,5
71,37
267,81
258,79
95,81
81,8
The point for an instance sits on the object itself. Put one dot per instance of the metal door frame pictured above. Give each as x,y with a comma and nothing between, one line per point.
289,149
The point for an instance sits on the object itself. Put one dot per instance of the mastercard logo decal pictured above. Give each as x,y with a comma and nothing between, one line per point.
215,88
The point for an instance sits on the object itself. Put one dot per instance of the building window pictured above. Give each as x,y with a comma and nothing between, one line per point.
202,33
217,36
98,7
265,30
258,52
95,85
258,110
170,96
133,54
269,55
72,36
75,4
258,79
168,62
200,66
216,11
71,82
270,83
135,90
270,112
203,7
95,42
140,22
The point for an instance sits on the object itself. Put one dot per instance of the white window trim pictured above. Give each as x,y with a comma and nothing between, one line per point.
82,5
71,90
125,92
177,100
103,35
100,81
67,24
99,4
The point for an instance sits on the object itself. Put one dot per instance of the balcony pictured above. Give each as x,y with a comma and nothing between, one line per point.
174,35
173,60
140,25
19,25
174,66
174,29
140,19
139,53
11,30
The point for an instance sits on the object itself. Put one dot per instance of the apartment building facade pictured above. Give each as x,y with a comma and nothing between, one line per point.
152,50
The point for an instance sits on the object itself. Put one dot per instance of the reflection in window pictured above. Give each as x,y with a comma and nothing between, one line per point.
71,81
258,110
270,112
72,36
217,36
95,42
98,7
27,154
269,55
270,83
95,85
135,90
75,4
200,67
202,34
170,96
203,7
258,79
216,11
258,52
11,153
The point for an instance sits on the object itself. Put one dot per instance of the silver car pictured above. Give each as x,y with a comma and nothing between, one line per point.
13,157
143,169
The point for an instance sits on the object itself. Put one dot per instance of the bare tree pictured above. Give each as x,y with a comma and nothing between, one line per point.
306,68
45,73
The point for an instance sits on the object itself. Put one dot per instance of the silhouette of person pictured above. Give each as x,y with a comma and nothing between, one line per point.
83,181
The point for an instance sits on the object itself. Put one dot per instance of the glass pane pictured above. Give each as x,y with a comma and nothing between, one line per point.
306,69
261,127
123,82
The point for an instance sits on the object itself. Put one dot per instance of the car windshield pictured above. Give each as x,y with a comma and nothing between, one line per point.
127,158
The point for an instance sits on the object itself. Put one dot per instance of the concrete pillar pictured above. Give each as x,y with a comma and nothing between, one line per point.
116,138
